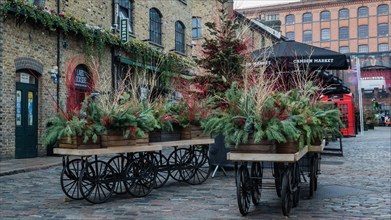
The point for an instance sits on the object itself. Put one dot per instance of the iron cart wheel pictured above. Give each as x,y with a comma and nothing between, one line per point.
140,176
177,162
295,183
278,170
118,163
286,196
70,179
97,181
256,178
163,169
243,191
317,168
198,168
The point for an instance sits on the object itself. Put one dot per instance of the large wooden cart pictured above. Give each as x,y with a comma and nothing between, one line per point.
134,169
286,171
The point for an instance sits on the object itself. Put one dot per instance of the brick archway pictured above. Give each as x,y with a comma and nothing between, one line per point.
28,63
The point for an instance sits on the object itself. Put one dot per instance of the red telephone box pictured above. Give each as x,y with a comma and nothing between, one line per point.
345,103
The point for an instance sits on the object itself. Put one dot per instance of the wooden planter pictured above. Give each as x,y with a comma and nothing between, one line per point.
192,132
144,140
290,147
159,135
77,143
115,138
251,147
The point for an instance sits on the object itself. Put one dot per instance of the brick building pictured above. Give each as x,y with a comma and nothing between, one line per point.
359,28
46,50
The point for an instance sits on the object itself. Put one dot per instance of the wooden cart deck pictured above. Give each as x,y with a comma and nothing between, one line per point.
317,148
184,142
267,157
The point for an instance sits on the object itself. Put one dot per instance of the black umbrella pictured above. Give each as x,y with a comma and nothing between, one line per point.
291,53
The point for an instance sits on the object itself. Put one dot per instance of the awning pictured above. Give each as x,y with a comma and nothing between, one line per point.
292,53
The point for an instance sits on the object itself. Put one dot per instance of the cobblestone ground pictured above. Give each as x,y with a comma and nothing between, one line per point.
355,186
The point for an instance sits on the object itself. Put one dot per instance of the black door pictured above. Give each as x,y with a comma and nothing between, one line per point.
26,119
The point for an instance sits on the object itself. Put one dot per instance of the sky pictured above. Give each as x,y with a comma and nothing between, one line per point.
254,3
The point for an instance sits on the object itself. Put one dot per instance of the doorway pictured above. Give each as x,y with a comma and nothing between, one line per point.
26,115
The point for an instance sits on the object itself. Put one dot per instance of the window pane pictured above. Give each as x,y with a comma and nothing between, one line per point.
325,16
290,35
196,27
18,108
307,17
343,14
307,36
30,104
382,30
363,31
155,23
344,49
383,47
363,12
343,33
382,10
363,49
290,19
179,37
325,34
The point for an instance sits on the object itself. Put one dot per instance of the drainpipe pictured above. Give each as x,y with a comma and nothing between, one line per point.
114,23
58,58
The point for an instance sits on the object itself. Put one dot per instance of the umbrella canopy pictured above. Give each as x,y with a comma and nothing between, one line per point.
291,53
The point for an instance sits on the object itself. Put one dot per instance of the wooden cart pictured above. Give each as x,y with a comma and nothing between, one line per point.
286,172
134,169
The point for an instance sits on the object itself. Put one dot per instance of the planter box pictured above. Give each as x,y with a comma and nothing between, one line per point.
77,143
251,147
115,138
193,132
161,136
144,140
290,147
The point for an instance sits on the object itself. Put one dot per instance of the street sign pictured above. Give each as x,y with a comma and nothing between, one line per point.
124,33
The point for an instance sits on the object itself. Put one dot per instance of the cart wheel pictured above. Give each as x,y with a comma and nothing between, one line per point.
243,189
118,163
198,170
278,171
163,169
175,160
256,174
140,177
70,179
295,182
316,171
286,197
97,181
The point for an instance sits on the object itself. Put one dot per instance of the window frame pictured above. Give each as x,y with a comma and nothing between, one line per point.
348,50
197,27
360,31
129,8
359,12
321,34
322,13
386,31
304,35
309,18
339,33
290,33
290,16
383,44
343,10
180,37
155,36
362,45
385,12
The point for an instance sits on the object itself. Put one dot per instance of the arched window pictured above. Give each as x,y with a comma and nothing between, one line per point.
83,84
155,26
382,9
179,37
363,11
343,14
307,17
290,19
325,16
307,36
290,35
125,11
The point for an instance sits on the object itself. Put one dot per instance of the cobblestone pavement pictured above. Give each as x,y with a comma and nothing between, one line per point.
356,186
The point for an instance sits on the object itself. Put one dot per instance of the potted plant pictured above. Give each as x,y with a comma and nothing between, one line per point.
168,128
76,128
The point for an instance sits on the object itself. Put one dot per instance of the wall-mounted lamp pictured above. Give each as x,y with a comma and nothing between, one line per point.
54,75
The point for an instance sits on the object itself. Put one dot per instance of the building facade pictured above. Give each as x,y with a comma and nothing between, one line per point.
51,51
359,28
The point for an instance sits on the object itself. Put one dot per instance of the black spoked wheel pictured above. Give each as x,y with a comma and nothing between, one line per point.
178,160
316,171
198,168
286,198
243,189
118,163
256,178
278,170
70,179
140,177
162,168
295,182
97,181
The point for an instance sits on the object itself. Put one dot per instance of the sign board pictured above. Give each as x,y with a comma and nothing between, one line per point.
370,83
24,78
124,33
81,79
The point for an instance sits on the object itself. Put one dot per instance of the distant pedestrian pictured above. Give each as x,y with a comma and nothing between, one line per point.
387,120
